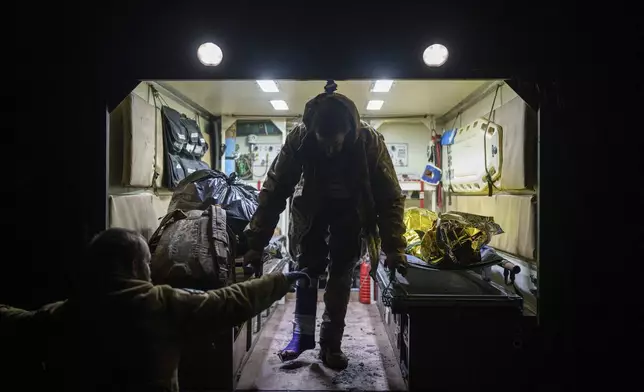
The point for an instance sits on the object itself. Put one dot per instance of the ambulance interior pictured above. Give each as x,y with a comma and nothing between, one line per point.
479,134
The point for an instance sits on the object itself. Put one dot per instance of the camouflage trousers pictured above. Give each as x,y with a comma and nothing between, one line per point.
334,240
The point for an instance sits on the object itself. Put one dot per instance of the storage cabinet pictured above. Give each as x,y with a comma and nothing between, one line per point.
450,341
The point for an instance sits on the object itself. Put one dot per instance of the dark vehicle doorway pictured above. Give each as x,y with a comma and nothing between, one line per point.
242,120
393,55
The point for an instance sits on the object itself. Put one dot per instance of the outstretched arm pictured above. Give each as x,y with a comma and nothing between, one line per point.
19,324
27,330
15,322
211,311
282,177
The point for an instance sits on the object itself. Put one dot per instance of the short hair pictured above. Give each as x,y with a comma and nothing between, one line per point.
115,250
331,117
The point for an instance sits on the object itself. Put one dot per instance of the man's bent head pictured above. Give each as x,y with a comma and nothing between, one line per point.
120,252
331,124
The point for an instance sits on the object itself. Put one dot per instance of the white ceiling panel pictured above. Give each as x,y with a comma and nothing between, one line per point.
245,97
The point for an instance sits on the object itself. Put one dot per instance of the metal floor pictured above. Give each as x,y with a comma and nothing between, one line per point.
372,365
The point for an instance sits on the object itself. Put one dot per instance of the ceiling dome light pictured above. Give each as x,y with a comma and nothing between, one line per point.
210,54
435,55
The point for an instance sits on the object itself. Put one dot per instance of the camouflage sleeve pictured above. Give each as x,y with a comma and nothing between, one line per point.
282,177
211,311
26,328
390,204
14,322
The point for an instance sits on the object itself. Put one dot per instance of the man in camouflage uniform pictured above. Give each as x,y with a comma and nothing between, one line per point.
344,187
123,333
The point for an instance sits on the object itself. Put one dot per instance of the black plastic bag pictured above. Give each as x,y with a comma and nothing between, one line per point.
207,187
240,203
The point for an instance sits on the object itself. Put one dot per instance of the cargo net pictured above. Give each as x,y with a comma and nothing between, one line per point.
388,294
448,241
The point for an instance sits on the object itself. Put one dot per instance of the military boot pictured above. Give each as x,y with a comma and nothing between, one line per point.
336,300
330,345
333,357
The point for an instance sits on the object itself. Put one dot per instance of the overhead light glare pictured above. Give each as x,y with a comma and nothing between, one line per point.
210,54
375,104
382,86
435,55
268,86
279,104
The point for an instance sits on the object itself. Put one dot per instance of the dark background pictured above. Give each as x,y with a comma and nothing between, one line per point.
579,65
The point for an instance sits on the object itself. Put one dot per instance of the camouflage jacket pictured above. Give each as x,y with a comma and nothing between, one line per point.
129,336
380,201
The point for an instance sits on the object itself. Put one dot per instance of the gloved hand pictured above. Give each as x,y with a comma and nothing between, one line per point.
294,276
253,259
397,262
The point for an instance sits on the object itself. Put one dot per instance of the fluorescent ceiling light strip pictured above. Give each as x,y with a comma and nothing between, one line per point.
279,104
375,104
382,86
268,86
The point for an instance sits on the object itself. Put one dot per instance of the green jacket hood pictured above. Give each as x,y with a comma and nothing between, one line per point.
349,105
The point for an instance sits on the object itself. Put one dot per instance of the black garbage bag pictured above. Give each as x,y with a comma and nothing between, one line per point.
240,203
208,187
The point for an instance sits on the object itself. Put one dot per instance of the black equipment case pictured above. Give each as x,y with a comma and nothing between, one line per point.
452,329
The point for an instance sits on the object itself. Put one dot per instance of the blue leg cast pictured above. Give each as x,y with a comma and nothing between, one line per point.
303,324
